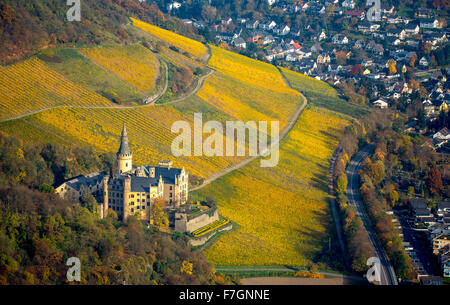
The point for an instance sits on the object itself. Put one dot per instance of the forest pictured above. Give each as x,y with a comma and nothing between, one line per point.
29,26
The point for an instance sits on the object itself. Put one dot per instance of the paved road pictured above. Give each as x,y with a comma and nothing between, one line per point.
387,271
244,269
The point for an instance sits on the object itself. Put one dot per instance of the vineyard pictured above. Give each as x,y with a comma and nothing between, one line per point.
211,227
83,71
188,45
31,85
134,64
283,211
246,89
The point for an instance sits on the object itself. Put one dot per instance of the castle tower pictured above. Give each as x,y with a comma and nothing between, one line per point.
126,197
124,157
105,196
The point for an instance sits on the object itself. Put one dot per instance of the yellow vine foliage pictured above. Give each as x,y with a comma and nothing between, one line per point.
246,89
149,132
282,212
186,44
134,64
31,85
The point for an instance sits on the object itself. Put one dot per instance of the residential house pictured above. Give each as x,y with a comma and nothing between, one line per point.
227,21
281,30
225,37
321,36
255,36
173,6
440,242
424,62
381,103
419,208
239,43
398,33
443,208
443,134
349,4
387,9
356,14
323,59
429,23
428,106
423,13
340,39
295,31
252,24
268,39
412,29
431,280
267,25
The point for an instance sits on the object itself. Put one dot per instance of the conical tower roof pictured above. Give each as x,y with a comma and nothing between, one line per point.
124,149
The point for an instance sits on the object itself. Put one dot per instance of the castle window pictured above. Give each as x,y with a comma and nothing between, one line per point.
138,207
132,203
148,196
170,188
132,196
148,204
143,207
138,200
132,210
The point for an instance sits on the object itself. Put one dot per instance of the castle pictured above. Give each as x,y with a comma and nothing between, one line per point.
130,191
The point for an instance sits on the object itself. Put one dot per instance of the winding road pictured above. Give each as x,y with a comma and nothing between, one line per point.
283,133
387,271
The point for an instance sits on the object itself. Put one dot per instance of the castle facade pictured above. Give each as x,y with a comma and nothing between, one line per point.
131,191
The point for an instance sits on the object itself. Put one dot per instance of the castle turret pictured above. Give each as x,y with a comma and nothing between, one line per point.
124,157
126,197
105,196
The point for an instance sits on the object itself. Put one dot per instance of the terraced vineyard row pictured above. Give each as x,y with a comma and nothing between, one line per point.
31,85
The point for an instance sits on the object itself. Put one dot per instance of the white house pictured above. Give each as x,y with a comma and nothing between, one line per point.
239,43
349,4
424,62
282,30
381,103
429,23
267,25
443,134
412,29
340,39
173,5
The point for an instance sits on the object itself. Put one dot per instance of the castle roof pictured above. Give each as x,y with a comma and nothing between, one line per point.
168,174
124,149
142,184
88,180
